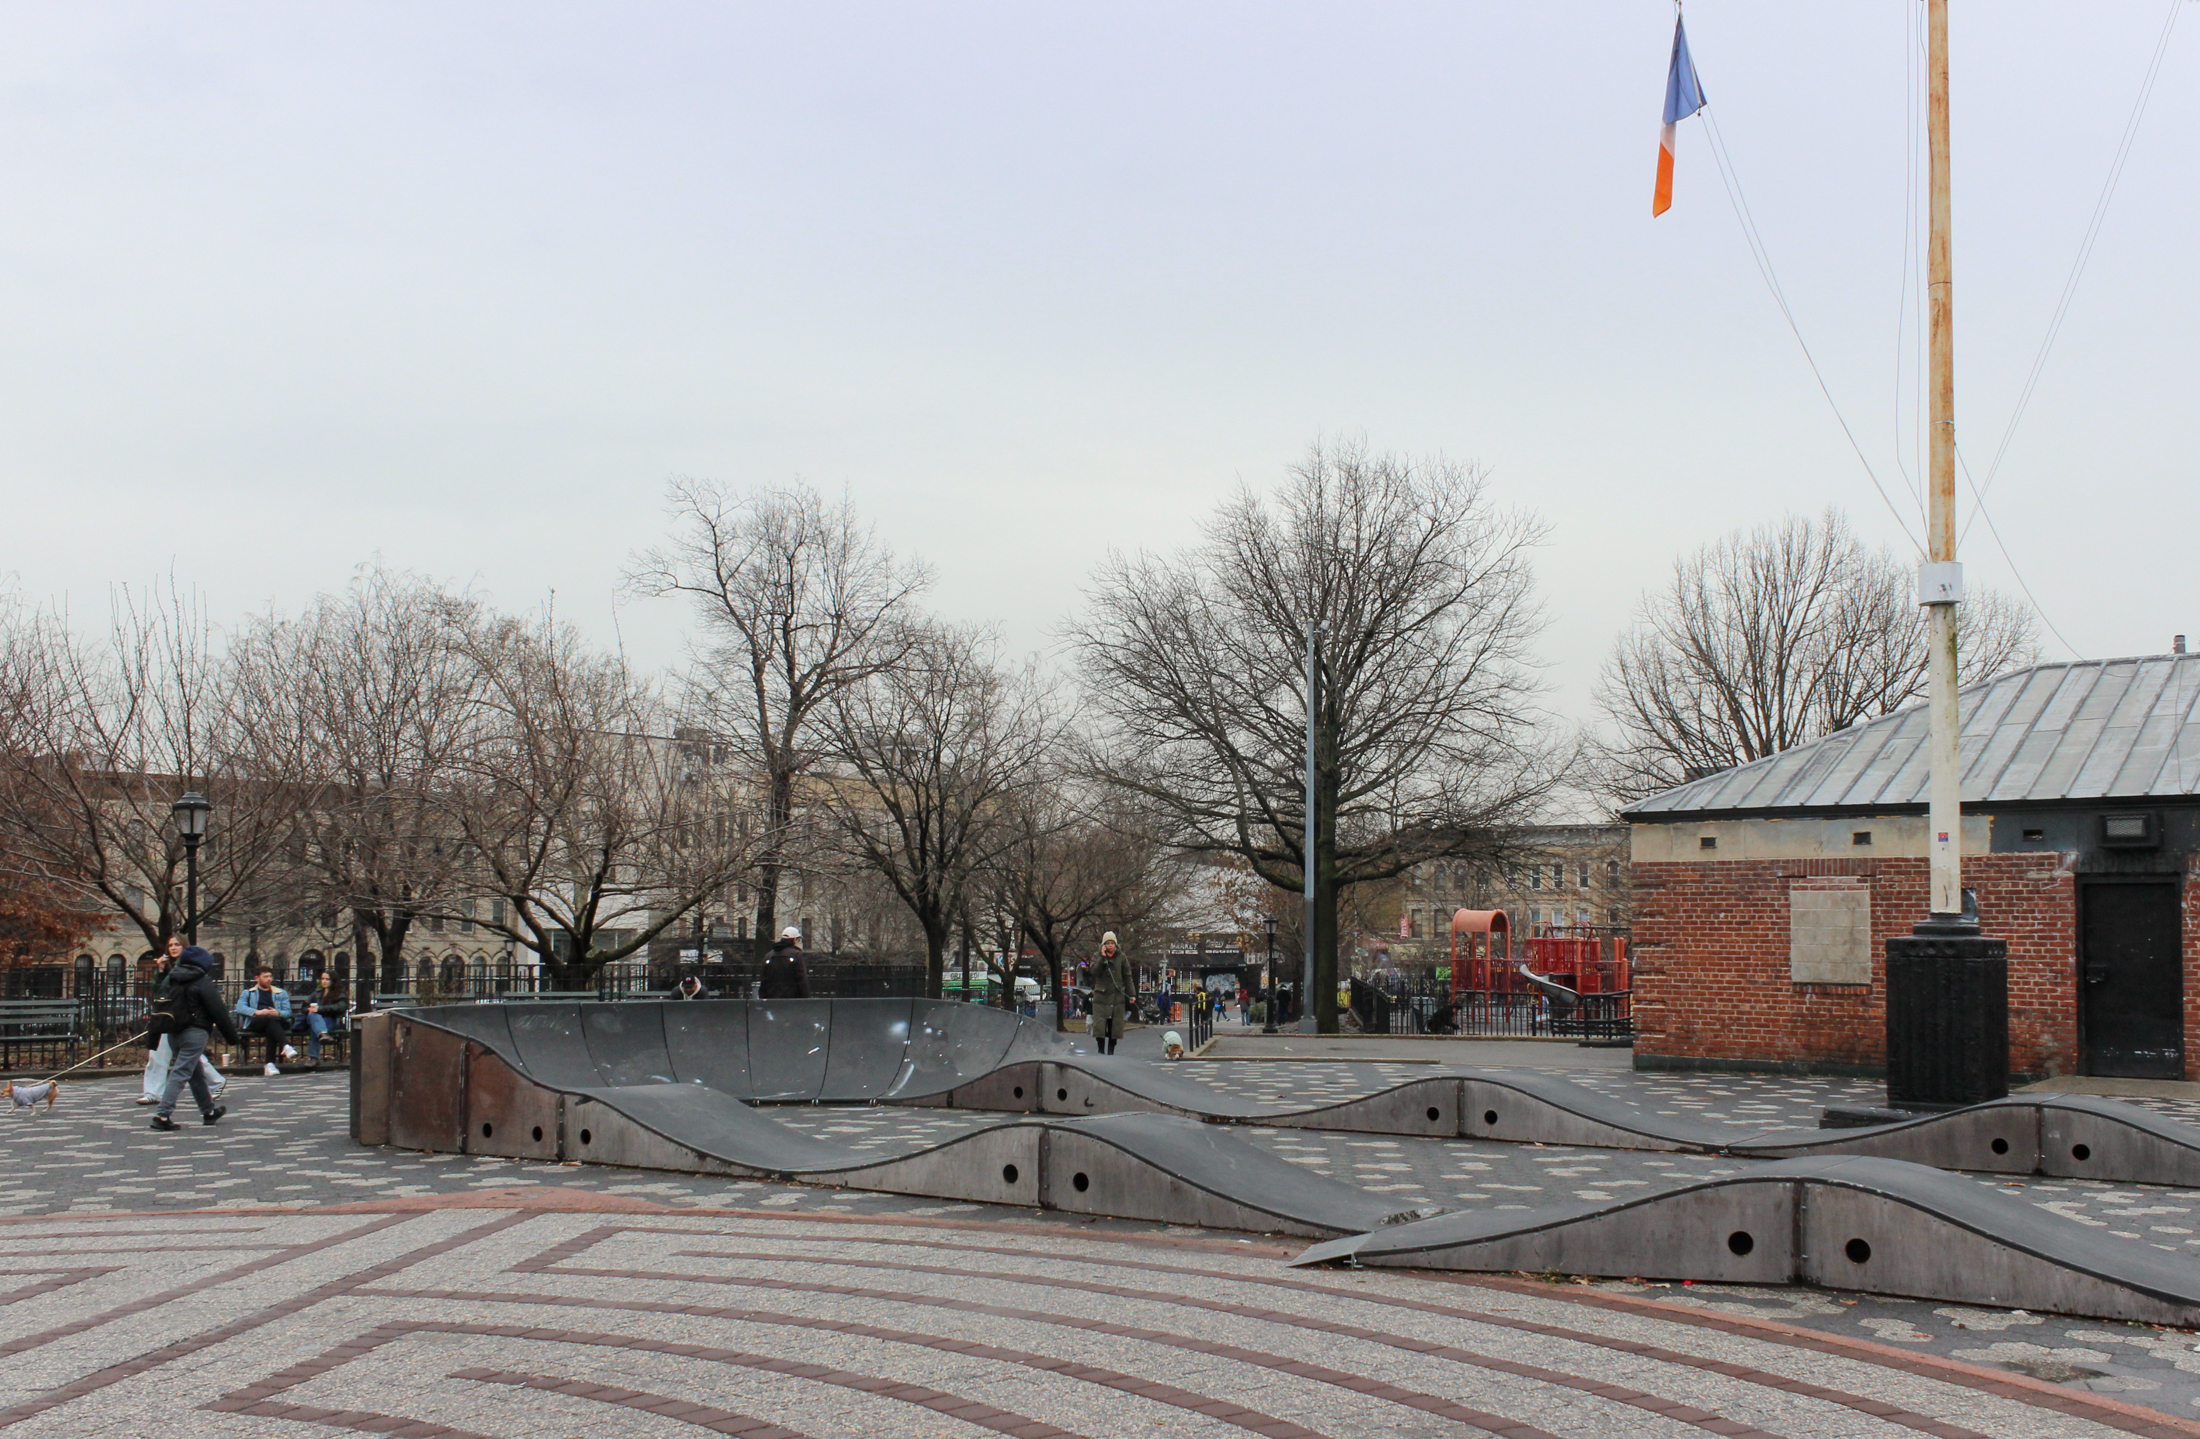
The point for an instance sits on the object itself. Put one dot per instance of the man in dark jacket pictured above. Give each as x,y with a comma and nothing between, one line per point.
786,970
198,1010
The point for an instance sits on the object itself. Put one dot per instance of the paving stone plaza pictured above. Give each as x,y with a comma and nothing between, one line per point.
269,1277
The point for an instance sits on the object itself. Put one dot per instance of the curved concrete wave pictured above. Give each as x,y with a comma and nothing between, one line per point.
961,1056
627,1084
1883,1226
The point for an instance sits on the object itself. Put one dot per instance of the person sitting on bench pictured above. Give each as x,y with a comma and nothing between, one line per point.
264,1009
324,1012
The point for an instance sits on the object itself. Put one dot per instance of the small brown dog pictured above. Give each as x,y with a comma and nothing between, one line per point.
30,1096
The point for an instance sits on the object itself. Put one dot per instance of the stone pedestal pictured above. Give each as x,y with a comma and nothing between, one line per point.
1947,1016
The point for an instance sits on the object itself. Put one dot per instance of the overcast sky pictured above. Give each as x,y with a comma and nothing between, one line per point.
287,287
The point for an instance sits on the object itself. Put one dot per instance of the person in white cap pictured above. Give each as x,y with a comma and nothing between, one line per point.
786,969
1110,977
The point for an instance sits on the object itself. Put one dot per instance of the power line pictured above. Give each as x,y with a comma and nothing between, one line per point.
2085,245
1978,500
1758,252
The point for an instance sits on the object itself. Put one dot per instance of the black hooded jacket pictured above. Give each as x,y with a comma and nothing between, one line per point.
197,1002
786,973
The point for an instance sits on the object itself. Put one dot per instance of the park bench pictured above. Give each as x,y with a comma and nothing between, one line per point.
50,1025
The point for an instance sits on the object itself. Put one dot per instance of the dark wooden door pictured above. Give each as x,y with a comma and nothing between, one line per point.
2131,988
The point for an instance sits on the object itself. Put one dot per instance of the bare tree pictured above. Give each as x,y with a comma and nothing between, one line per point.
1081,860
39,917
370,699
1771,637
106,737
928,755
597,828
800,605
1420,591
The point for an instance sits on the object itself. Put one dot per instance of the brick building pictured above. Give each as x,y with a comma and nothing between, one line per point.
1764,895
1558,876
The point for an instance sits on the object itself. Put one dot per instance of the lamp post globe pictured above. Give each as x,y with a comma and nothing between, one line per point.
191,811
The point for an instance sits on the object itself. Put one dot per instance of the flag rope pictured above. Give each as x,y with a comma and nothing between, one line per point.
1731,179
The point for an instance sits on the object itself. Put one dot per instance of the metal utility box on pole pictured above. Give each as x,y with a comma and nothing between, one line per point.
1947,984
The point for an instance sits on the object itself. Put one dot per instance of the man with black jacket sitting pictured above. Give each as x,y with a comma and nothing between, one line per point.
195,1010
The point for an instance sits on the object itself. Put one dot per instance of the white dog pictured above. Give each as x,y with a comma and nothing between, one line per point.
1172,1044
30,1096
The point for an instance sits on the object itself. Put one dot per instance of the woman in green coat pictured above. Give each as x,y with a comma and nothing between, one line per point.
1111,994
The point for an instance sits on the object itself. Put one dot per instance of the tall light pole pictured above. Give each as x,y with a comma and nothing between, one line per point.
191,811
1308,1024
1947,984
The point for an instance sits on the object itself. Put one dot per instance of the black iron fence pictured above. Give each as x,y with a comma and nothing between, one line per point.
52,1016
1425,1004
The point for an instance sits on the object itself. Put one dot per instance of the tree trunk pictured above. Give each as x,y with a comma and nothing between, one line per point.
365,961
1052,959
935,959
778,815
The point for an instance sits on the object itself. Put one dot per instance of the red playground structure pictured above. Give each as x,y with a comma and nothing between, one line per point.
1576,976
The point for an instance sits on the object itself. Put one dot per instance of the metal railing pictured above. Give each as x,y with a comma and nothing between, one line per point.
1403,1004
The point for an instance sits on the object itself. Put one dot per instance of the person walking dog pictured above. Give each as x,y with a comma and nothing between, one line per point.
195,1011
160,1050
1111,989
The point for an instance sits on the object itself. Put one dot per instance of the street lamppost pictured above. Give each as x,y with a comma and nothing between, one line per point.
191,812
1268,1016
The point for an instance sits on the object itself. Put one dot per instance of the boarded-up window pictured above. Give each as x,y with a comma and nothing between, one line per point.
1830,936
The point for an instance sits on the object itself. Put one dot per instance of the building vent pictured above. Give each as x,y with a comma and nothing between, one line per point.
2136,829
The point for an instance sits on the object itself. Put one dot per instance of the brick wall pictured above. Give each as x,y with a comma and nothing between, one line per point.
1711,961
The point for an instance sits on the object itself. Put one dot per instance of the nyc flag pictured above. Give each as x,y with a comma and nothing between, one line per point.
1683,98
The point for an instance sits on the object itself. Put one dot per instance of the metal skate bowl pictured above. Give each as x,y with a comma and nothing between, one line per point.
687,1087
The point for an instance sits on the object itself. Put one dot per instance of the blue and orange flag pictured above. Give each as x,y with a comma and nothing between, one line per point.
1683,98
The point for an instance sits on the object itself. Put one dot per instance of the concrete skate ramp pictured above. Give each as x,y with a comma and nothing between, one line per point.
1503,1104
1880,1226
826,1051
963,1056
927,1052
456,1087
2066,1136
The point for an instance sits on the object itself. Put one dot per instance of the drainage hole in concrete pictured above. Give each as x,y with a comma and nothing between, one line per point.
1008,1174
1019,1091
2081,1152
487,1130
1741,1241
538,1134
1858,1251
2001,1146
1080,1181
584,1136
1433,1114
1489,1116
1061,1094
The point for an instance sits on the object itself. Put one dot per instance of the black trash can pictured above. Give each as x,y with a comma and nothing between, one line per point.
1947,1016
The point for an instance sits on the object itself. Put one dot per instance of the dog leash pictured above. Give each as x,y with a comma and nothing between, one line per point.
136,1039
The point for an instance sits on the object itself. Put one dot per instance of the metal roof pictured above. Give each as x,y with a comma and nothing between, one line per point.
2097,729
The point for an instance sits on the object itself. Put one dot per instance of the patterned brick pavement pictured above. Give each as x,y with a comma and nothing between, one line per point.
318,1286
496,1322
